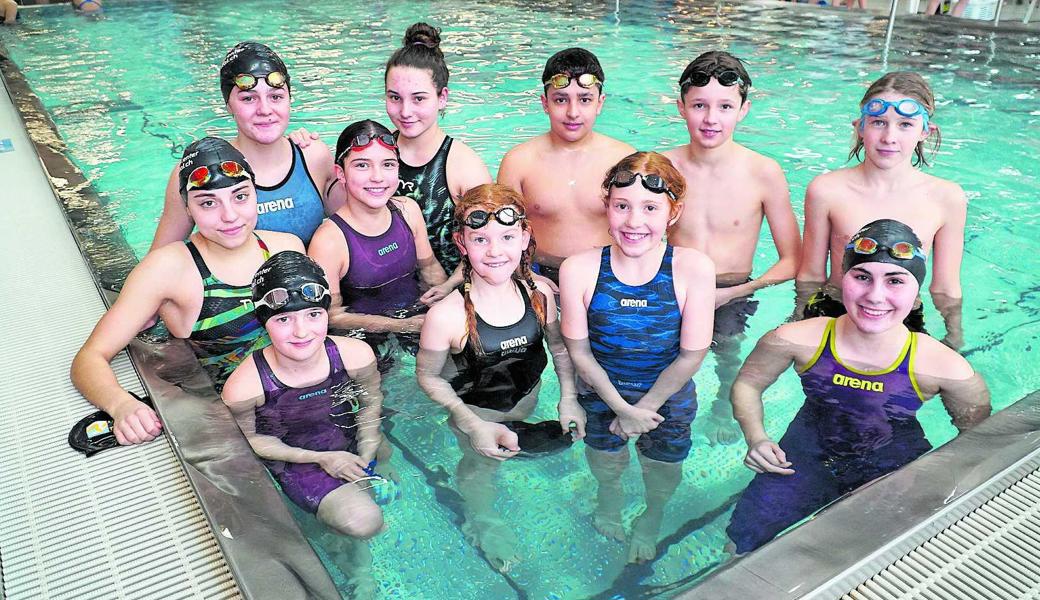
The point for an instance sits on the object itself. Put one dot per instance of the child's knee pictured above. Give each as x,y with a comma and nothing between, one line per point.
359,522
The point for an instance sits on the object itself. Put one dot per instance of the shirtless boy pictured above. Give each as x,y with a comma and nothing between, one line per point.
730,189
559,172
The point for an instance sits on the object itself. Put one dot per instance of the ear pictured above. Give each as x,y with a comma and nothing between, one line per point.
677,210
679,104
545,104
341,175
744,109
856,126
442,99
526,239
932,130
457,237
599,103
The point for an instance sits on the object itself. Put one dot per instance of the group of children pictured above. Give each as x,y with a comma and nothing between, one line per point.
628,266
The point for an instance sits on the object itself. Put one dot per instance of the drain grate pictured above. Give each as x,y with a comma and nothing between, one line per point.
992,553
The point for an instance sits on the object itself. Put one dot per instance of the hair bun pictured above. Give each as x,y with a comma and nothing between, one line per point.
423,34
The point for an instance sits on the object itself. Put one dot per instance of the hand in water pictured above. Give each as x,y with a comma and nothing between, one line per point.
635,421
571,413
344,465
494,440
765,456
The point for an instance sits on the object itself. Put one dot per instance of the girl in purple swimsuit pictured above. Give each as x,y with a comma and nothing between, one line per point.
864,375
309,404
375,245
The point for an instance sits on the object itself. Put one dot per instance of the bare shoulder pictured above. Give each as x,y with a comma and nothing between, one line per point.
613,147
278,241
173,258
938,360
325,230
524,151
582,261
461,151
317,151
763,167
450,305
354,353
409,208
693,262
825,186
244,384
803,334
950,194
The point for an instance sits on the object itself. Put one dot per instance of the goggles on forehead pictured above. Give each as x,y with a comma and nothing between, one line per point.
365,140
279,297
204,174
725,77
506,215
562,80
248,81
907,107
898,250
654,183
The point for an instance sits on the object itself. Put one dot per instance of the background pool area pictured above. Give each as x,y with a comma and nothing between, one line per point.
129,92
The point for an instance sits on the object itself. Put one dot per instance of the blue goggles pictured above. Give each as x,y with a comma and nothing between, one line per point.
907,107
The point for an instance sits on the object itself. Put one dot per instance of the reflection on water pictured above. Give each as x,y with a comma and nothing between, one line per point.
128,93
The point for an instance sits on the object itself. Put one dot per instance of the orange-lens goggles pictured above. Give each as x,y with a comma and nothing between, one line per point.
203,175
899,250
248,81
562,80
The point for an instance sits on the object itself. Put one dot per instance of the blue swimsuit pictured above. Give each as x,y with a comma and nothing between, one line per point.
294,205
634,334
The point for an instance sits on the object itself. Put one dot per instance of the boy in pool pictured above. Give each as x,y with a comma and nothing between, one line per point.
895,122
309,404
637,320
730,189
864,375
559,172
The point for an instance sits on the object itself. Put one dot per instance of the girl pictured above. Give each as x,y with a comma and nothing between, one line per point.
864,374
434,167
372,246
637,319
894,125
196,287
295,184
482,353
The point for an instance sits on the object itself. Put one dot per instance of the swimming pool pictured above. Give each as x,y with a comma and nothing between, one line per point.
129,92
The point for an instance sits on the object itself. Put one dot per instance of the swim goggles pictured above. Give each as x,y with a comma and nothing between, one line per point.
654,183
725,77
365,140
279,297
907,107
898,250
506,215
562,80
248,81
204,174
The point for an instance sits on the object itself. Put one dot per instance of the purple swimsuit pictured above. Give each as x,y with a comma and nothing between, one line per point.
381,277
320,417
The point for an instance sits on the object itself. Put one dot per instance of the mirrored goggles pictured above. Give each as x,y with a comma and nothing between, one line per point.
907,107
365,140
725,77
279,297
654,183
248,81
204,174
898,250
507,215
562,80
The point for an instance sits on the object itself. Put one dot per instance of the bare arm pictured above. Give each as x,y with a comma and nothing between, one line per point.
363,371
770,358
465,170
948,250
174,224
430,270
816,245
322,169
510,171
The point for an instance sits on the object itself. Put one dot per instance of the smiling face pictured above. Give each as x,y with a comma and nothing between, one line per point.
226,216
878,296
262,113
712,112
890,138
572,110
298,335
494,250
412,100
638,218
369,175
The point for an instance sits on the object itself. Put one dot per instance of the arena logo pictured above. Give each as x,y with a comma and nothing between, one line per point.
387,249
313,394
517,342
271,206
858,384
633,303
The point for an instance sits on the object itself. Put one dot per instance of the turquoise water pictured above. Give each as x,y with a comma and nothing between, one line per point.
128,93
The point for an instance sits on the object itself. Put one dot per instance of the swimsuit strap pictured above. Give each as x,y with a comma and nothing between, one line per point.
335,360
200,263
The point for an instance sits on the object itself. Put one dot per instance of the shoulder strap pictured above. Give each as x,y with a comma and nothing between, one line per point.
200,264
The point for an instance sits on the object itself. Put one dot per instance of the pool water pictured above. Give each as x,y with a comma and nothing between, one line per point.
129,92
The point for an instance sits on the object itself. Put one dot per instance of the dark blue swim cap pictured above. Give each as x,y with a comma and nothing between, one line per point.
225,166
886,241
251,58
295,273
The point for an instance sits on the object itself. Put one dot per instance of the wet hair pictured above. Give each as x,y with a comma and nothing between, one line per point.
650,163
573,62
712,62
912,86
366,127
491,196
421,49
253,58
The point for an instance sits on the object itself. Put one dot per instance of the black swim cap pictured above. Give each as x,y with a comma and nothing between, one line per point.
292,271
212,152
253,58
887,234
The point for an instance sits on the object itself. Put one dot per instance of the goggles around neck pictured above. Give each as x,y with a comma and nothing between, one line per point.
653,183
200,176
898,250
506,215
562,80
278,297
907,107
365,140
725,77
248,81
